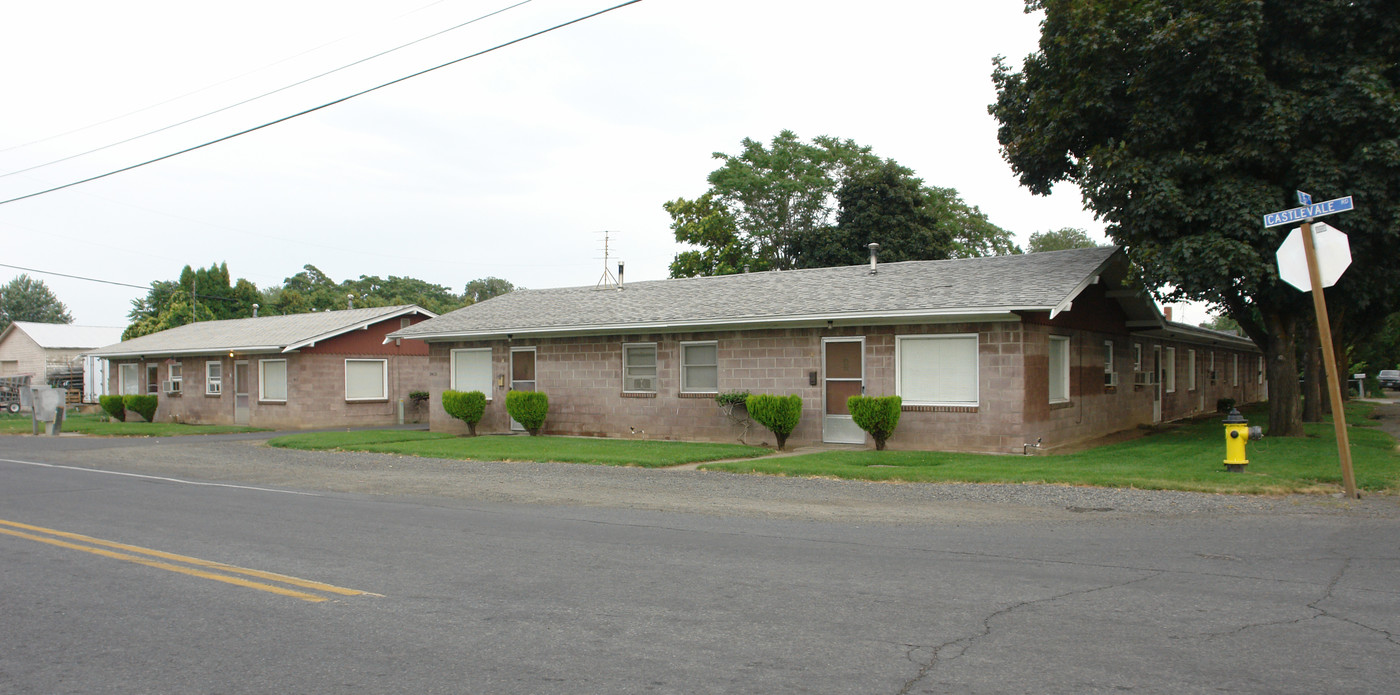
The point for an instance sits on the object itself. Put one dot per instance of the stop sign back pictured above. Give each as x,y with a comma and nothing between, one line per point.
1333,256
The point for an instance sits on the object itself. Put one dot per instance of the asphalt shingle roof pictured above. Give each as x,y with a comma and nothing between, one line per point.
53,336
1039,281
263,333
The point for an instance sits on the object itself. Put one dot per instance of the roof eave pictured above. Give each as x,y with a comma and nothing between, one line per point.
192,352
997,314
358,326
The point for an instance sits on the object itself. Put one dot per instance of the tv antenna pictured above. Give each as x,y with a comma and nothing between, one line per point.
608,281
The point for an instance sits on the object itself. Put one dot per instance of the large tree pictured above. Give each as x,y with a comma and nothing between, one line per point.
802,205
1184,121
1060,240
27,299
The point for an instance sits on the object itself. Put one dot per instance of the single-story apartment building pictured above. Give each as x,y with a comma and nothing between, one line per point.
55,354
322,369
988,354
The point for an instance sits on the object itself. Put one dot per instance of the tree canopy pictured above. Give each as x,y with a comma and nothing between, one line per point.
796,204
1185,121
1060,240
27,299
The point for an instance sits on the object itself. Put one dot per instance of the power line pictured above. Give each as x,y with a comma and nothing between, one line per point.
322,106
112,282
260,96
197,91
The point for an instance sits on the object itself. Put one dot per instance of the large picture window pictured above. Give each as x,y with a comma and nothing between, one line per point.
1059,369
1169,370
471,370
700,367
129,380
366,380
272,380
937,369
639,367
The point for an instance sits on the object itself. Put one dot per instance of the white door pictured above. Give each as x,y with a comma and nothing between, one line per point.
522,375
240,392
843,376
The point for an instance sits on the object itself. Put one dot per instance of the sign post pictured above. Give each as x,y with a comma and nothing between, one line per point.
1324,328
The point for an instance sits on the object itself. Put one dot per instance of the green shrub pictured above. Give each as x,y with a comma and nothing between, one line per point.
877,416
466,406
528,408
145,406
732,398
113,406
1225,405
778,413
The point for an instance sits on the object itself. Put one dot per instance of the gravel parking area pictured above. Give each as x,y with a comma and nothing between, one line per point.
247,460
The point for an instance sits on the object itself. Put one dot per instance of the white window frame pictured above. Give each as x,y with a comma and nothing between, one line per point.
383,380
1212,368
1108,357
655,367
1235,369
1065,368
129,378
899,360
1137,357
685,373
1170,376
262,382
1190,370
1261,369
213,384
485,388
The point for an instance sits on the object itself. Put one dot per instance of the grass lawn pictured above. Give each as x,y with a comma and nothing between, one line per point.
1189,458
93,425
614,452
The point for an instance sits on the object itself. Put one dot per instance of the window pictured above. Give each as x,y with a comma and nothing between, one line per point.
471,370
1260,368
1059,369
129,380
173,384
937,369
699,367
153,378
1137,357
1169,370
213,377
366,380
1190,370
639,367
1235,370
1212,367
272,380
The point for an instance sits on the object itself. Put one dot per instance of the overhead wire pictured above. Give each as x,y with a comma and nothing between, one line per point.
322,106
263,95
190,94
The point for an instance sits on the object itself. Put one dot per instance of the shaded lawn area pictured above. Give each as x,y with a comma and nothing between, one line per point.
1189,457
613,452
93,425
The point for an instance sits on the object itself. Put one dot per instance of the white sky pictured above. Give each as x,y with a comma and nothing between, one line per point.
510,164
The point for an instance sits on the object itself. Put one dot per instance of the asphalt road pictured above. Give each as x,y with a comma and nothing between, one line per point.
609,581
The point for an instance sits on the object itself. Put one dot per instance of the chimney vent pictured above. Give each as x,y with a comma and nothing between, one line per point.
620,266
874,254
255,311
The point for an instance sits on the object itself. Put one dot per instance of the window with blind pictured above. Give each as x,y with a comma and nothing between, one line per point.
700,367
639,367
937,369
272,380
471,370
366,380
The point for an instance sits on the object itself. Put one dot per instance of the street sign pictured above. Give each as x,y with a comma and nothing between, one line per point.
1333,256
1307,212
1304,198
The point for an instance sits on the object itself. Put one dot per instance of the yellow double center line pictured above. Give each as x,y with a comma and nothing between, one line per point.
216,571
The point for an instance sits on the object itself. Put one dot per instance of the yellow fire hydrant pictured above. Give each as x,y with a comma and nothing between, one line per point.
1236,434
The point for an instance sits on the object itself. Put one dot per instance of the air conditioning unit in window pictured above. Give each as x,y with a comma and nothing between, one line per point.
641,385
1142,378
172,386
1110,378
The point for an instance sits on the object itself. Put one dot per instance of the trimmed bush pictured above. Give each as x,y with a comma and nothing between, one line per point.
732,398
778,413
145,406
1225,405
528,408
878,416
467,406
113,406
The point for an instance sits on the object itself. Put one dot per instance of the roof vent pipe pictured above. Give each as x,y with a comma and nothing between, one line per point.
874,254
620,266
255,311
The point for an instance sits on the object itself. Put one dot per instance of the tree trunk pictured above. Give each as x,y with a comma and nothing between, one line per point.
1281,359
1314,380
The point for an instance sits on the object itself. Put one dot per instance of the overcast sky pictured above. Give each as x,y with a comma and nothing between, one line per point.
509,164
